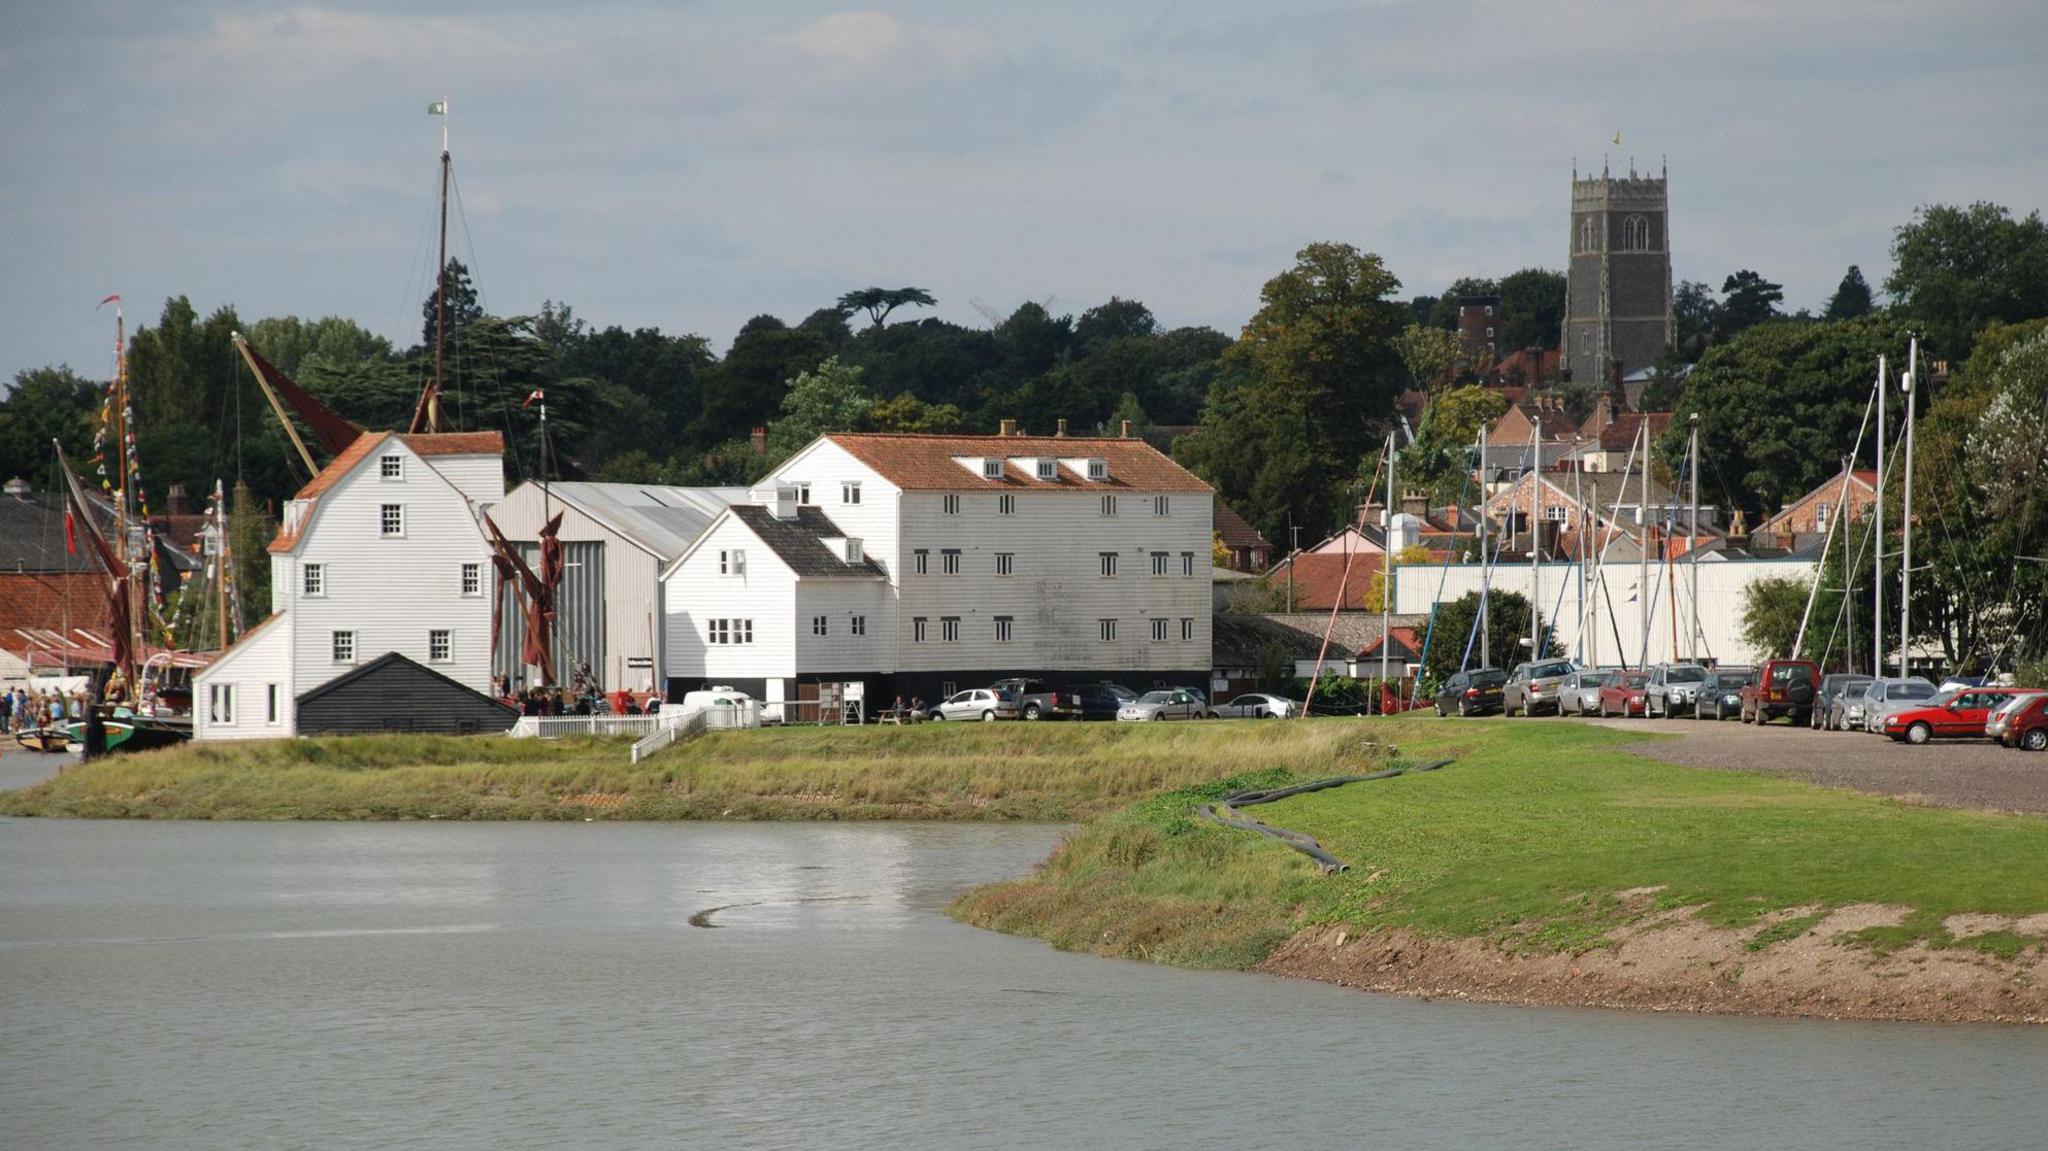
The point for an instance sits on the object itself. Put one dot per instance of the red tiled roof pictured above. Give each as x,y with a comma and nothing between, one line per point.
51,601
1235,532
455,443
426,444
929,463
1620,435
1317,576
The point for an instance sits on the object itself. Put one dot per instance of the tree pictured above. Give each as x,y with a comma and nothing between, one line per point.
1696,312
1851,298
746,390
1116,320
45,404
1428,354
1531,309
1667,383
1957,269
1376,590
879,302
827,399
907,413
1749,300
1454,633
463,308
1771,610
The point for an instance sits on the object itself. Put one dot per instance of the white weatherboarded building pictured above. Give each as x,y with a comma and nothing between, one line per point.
616,539
381,552
915,565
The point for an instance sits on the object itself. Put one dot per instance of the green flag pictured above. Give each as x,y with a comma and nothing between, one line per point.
438,108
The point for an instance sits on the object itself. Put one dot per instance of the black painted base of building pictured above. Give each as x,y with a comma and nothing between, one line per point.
883,689
393,693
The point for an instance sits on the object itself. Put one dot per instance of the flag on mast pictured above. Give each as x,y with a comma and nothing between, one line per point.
438,108
536,397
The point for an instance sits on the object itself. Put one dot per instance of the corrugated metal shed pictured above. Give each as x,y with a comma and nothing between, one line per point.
664,520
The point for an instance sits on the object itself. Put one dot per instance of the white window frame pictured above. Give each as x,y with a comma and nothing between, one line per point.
272,716
949,561
1006,505
821,625
949,629
1187,629
918,630
1106,564
220,703
1556,513
1004,626
1106,628
1187,563
921,561
445,638
1160,562
732,561
341,645
1006,563
950,504
391,467
743,631
1108,505
803,493
855,552
1822,512
472,579
313,580
1048,470
718,633
1162,506
389,515
991,469
1098,470
1159,629
858,625
849,491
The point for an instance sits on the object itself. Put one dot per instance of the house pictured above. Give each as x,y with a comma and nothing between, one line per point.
1806,520
1524,413
1610,448
1527,368
1249,551
382,551
915,565
616,541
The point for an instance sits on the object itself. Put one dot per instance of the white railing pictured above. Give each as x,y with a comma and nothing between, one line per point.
558,726
671,726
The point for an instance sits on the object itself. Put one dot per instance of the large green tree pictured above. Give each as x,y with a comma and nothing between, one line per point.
45,404
1957,269
1454,634
1851,298
829,398
1531,309
1747,300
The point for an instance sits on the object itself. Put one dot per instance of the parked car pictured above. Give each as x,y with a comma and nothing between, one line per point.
1782,687
1256,705
1720,694
1949,715
1621,693
1885,696
1473,692
1671,689
1168,703
1102,700
983,703
1580,694
2027,726
1838,693
2001,716
1036,699
1534,686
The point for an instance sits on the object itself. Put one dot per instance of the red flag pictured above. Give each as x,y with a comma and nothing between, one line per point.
113,299
70,533
537,397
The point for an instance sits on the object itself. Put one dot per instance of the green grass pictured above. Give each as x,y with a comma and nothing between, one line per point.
1524,842
1044,772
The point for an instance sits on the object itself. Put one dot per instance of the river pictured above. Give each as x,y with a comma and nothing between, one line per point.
502,986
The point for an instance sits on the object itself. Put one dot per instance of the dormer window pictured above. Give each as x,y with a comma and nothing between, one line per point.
992,469
854,553
1048,470
1098,470
391,467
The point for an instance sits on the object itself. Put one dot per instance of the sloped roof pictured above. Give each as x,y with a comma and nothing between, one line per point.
931,463
455,443
1620,435
1236,533
392,662
1317,576
664,519
800,542
54,601
425,445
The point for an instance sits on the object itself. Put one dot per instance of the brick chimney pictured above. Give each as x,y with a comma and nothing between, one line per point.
176,502
1007,428
1062,432
1125,433
759,436
1415,502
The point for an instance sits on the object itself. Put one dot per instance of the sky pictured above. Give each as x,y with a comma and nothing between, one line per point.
689,165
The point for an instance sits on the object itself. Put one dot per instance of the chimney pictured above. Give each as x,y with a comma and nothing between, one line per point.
760,441
176,502
1414,502
18,488
1062,432
1373,512
1007,428
1126,432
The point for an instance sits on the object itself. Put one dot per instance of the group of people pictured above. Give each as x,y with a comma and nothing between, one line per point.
23,710
557,701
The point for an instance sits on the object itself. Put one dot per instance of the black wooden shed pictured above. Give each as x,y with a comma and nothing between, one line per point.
393,693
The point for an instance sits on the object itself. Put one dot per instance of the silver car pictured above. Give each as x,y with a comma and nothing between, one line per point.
1673,689
1169,703
1257,705
1533,686
2001,716
1580,693
1885,696
980,703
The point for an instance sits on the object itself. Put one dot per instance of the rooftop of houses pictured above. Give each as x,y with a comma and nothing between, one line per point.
426,444
1234,531
1241,638
664,519
955,463
800,542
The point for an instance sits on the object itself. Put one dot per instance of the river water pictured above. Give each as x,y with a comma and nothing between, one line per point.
508,986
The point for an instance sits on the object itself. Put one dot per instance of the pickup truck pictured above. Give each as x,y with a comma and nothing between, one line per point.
1782,687
1036,699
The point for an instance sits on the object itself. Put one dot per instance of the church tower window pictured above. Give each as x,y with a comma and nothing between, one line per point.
1635,234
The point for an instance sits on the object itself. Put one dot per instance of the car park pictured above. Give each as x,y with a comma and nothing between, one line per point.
1672,688
2027,727
1838,694
1884,696
1255,705
1534,686
1720,694
1580,694
1621,694
1474,692
1167,703
982,703
1036,699
1781,687
1102,700
1955,714
1995,724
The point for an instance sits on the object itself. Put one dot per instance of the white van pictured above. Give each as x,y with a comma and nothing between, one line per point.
733,708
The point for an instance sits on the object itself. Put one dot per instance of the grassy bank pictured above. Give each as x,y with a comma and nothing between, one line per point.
1542,839
1045,772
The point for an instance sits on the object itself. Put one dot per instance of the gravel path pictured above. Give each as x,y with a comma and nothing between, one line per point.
1949,773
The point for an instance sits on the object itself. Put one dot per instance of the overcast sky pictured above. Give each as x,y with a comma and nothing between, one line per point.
690,165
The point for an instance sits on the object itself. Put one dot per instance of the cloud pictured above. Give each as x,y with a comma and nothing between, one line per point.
866,43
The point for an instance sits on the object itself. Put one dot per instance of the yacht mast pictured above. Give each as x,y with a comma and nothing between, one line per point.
1906,519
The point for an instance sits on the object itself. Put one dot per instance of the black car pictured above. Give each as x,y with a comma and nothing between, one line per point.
1835,692
1720,697
1096,700
1473,692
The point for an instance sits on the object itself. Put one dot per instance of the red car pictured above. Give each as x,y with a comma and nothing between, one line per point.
1957,715
1782,687
1621,693
2029,727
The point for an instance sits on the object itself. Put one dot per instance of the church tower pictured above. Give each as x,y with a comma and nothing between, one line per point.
1618,292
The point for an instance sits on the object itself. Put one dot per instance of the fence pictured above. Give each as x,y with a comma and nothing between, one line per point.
672,727
559,726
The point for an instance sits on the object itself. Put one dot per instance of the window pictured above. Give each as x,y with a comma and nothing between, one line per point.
732,561
858,625
1003,623
1556,513
315,579
1108,560
854,552
1187,563
717,633
1006,563
1635,234
949,628
472,579
1158,630
730,631
1160,506
1159,563
949,561
391,468
391,519
1489,333
917,629
1109,505
849,492
1098,470
1187,628
344,645
1585,233
220,703
1820,516
440,645
1048,470
1108,630
991,469
952,505
1006,505
803,493
923,561
948,688
1489,309
270,703
819,625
